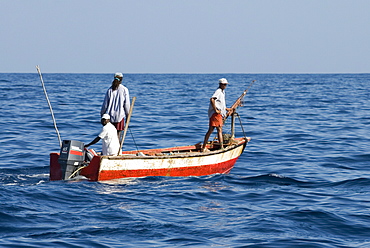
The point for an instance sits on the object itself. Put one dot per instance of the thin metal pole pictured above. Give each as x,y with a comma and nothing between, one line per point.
51,110
233,125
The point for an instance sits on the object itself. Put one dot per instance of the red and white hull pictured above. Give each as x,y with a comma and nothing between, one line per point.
177,161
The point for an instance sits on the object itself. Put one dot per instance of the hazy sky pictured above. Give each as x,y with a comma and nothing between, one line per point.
188,36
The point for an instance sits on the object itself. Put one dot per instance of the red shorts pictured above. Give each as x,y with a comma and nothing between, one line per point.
216,120
119,125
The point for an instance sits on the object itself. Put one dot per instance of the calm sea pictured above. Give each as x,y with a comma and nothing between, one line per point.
302,181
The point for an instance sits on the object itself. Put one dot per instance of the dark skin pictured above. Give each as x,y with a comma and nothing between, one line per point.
97,139
119,79
219,129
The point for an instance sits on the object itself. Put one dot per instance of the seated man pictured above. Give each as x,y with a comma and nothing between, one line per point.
111,143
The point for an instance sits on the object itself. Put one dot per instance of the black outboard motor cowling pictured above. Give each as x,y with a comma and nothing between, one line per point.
71,157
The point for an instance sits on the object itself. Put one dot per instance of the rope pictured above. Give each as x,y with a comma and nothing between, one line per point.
137,149
80,168
245,136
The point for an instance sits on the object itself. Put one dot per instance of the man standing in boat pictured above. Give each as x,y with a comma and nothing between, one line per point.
109,136
216,112
117,103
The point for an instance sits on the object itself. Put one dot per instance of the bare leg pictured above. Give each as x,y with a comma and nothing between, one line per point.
210,130
119,135
220,138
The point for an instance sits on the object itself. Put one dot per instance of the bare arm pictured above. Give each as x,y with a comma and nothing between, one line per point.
213,103
96,140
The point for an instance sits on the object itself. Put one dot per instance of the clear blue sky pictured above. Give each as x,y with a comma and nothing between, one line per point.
190,36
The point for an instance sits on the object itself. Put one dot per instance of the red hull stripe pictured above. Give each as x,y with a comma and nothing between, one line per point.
73,152
221,168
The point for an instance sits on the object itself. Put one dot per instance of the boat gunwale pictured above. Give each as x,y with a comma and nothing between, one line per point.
177,154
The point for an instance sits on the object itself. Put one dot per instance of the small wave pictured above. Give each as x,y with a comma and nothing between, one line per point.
335,165
362,157
270,179
342,159
353,183
326,223
279,179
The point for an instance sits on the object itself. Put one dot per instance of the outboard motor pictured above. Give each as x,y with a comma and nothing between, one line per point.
71,157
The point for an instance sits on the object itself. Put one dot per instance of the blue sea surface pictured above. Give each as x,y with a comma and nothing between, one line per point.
302,181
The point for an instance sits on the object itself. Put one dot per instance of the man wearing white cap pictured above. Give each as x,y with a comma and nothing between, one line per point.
110,145
216,112
117,103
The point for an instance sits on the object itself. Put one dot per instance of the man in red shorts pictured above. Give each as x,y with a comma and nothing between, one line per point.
117,103
216,112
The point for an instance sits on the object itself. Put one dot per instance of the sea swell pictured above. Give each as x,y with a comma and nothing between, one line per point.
302,181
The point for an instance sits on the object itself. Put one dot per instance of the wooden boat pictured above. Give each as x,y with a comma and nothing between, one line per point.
180,161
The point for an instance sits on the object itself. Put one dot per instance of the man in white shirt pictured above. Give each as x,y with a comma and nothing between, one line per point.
216,112
110,145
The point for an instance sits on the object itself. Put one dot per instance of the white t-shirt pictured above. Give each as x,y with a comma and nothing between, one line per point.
109,136
219,102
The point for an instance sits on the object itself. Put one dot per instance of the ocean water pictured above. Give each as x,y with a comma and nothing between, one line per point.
302,181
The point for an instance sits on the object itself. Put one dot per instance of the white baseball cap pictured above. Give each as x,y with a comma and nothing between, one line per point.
106,116
223,81
118,74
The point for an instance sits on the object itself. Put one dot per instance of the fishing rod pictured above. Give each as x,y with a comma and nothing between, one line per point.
233,108
51,110
238,101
